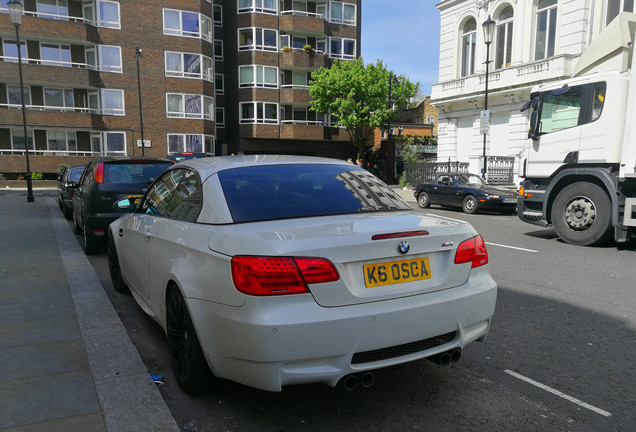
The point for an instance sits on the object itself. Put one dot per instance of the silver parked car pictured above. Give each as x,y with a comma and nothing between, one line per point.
279,270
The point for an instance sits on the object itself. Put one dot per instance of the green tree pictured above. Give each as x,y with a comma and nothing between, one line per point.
357,96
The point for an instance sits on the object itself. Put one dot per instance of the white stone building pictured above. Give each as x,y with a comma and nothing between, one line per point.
535,41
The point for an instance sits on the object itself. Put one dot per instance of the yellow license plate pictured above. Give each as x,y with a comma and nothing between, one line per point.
134,198
394,272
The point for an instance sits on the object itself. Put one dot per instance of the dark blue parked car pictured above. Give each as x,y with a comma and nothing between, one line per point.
468,191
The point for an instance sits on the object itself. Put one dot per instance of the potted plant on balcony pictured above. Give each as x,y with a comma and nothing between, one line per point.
308,49
287,49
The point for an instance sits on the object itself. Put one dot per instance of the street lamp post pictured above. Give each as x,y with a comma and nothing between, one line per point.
141,113
489,28
15,12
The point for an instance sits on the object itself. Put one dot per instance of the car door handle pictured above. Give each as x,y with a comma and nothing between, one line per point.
148,233
121,232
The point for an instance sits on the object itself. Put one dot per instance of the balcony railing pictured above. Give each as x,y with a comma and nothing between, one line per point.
514,76
61,63
71,18
302,13
85,110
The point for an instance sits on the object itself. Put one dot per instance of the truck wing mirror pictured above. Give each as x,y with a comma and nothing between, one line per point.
534,126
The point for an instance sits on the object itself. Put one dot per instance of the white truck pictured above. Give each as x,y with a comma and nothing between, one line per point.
578,169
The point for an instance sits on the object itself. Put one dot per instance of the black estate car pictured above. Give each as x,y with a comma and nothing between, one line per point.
105,181
468,191
66,184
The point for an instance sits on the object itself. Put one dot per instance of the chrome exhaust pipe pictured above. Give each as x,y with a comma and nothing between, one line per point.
350,382
442,359
456,355
367,379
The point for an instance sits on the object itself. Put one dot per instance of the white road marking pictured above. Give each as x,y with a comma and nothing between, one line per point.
512,247
558,393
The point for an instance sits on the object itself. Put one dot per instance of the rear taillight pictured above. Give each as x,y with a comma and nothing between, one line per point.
472,250
99,173
266,276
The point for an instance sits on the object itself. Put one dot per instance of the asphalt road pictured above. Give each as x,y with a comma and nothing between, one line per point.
559,356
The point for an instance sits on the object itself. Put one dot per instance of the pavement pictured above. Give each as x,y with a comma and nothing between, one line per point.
66,361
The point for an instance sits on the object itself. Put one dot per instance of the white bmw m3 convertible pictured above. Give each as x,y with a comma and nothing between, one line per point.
279,270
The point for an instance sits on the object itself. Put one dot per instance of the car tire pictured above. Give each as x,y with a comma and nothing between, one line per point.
114,269
470,204
77,229
423,200
68,213
89,244
581,214
188,362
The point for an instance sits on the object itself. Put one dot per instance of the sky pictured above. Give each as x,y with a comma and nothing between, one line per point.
404,34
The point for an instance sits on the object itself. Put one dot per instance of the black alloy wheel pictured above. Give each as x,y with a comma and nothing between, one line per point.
114,268
188,361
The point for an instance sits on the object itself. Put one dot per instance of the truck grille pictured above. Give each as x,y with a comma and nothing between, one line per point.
401,350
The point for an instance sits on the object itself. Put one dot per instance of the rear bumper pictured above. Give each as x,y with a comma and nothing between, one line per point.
272,342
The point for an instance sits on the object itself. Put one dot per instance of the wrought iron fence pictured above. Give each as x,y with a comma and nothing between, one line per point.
417,173
500,169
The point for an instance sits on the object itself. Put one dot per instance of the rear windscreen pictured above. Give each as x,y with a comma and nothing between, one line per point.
290,191
75,174
133,173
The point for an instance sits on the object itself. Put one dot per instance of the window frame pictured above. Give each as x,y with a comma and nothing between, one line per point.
468,46
255,107
255,8
255,46
61,49
204,140
505,25
205,112
100,22
255,74
203,71
201,20
551,18
57,15
341,55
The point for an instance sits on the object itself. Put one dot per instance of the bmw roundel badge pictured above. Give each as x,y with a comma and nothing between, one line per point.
403,247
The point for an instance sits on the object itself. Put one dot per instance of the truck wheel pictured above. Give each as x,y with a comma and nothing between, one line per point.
581,214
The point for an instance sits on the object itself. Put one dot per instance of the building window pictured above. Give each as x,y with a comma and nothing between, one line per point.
195,143
469,41
614,7
187,24
56,97
10,50
263,6
55,55
14,95
258,112
112,102
218,50
108,14
54,9
17,139
299,79
342,13
258,76
105,58
220,117
257,39
503,38
61,141
188,65
219,84
546,29
189,106
217,15
340,48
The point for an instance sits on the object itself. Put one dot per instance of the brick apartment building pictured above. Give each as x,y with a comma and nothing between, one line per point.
218,77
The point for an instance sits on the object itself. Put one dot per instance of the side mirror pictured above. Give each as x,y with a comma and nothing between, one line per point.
534,126
70,185
124,206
